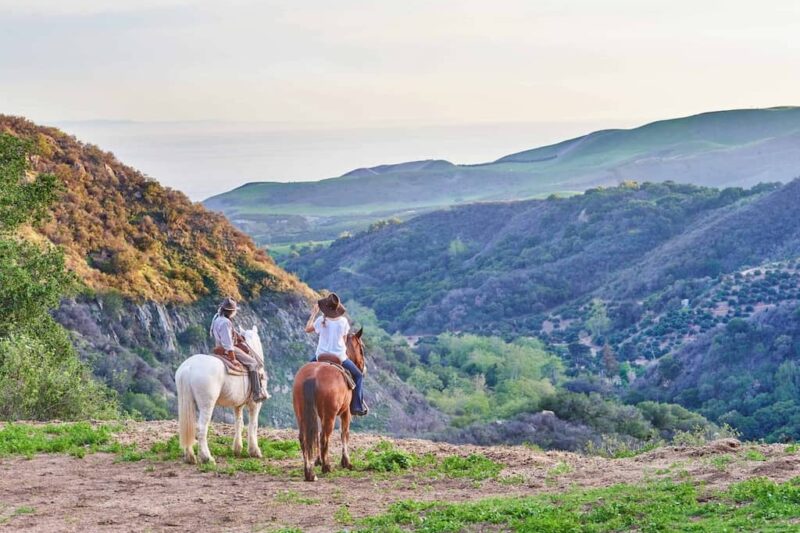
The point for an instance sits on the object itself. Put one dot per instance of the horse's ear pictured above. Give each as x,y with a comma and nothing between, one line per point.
359,333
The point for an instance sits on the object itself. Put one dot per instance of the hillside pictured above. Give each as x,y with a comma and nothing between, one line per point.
408,485
720,149
501,268
639,286
123,231
153,266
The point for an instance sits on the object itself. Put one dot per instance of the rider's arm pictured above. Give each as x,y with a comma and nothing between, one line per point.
310,322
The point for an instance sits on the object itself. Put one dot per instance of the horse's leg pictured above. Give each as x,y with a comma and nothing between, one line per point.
238,414
345,429
203,421
253,408
328,423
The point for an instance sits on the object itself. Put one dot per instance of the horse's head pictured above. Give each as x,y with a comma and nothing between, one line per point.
355,350
254,341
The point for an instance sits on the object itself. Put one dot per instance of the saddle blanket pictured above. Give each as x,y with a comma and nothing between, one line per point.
229,367
347,376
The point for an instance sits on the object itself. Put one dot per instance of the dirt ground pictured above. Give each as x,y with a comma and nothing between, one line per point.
100,493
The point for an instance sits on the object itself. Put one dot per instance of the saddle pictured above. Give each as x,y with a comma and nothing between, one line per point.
332,360
219,353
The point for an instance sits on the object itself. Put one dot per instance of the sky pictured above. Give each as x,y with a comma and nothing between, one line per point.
319,65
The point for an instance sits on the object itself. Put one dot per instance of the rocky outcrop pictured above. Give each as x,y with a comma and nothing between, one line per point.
137,346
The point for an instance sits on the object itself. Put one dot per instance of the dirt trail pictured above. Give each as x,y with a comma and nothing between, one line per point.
100,493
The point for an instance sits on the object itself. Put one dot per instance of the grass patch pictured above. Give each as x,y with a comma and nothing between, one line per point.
73,438
475,466
221,448
385,457
559,470
343,516
754,455
721,462
755,505
292,496
792,448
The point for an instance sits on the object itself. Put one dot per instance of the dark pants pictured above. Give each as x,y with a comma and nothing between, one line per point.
357,403
358,394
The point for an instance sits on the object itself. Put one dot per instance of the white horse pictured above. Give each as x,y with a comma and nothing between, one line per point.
202,383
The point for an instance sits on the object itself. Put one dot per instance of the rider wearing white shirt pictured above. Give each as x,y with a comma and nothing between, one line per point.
332,332
226,339
333,327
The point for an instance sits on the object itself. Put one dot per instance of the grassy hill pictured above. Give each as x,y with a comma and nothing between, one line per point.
720,149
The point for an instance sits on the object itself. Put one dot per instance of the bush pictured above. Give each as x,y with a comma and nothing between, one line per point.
38,384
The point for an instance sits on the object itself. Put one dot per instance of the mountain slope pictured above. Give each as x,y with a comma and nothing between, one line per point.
501,268
727,148
154,265
123,231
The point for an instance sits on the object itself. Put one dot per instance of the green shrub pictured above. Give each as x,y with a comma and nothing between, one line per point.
384,457
36,383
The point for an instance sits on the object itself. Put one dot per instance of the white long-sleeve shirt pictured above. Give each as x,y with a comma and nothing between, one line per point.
222,329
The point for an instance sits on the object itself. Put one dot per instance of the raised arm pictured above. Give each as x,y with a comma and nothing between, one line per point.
310,322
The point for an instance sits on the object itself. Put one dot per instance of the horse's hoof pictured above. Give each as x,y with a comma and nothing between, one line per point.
237,451
255,453
347,464
326,469
312,478
208,460
190,459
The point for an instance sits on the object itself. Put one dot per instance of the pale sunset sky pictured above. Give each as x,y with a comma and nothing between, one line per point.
528,71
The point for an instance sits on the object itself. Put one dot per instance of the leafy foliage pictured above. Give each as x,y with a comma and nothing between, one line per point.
40,374
123,231
746,374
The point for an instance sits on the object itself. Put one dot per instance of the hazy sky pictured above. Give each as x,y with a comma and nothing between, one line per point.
348,62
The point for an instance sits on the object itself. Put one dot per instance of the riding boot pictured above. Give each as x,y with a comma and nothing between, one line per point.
255,386
357,405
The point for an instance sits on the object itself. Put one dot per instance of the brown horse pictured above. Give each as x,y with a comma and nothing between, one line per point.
320,394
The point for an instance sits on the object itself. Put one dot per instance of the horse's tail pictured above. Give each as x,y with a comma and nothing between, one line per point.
311,425
187,415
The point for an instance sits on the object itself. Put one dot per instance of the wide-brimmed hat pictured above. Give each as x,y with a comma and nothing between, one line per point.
331,306
228,304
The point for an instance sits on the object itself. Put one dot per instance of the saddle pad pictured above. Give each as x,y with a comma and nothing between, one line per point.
347,376
232,370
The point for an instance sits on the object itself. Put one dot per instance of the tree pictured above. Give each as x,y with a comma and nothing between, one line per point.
40,374
598,321
610,363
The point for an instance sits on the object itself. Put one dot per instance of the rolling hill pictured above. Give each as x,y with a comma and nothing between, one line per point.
719,149
152,267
